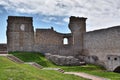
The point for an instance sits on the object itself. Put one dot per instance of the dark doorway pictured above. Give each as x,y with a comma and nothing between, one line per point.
117,70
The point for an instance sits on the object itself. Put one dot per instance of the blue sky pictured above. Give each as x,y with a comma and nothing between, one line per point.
56,13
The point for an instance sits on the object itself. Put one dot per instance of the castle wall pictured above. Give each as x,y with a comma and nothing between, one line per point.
3,48
93,47
21,37
20,34
48,36
47,41
103,42
50,41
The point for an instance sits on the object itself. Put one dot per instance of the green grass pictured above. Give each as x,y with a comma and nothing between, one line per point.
14,71
94,70
33,57
91,69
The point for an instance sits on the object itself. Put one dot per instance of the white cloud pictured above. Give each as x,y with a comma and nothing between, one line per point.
99,12
48,19
66,19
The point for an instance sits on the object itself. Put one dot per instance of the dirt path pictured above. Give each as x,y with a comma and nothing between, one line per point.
3,54
81,74
88,76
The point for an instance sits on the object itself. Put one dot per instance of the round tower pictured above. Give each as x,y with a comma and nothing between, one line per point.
77,26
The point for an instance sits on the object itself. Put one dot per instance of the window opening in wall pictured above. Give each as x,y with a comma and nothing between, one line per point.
108,58
65,41
115,58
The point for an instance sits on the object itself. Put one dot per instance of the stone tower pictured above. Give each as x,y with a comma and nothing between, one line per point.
77,26
20,33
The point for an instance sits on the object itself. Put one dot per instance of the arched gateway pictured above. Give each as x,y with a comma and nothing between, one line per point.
117,69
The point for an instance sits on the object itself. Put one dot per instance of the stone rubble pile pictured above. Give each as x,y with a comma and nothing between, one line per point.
63,60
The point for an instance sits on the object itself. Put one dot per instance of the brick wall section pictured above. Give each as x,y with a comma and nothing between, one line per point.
47,41
102,42
48,36
50,41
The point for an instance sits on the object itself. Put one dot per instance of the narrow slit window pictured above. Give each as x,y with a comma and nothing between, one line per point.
65,41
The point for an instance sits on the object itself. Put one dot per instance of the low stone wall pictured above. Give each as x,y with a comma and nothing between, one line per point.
63,60
91,59
3,48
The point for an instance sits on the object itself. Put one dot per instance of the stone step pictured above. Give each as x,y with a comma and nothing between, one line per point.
37,65
61,70
15,59
34,64
4,55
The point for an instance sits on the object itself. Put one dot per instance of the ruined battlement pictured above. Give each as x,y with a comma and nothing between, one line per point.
76,19
77,24
17,19
113,28
44,30
92,47
19,23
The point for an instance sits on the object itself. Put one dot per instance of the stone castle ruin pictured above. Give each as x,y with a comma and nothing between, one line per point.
100,47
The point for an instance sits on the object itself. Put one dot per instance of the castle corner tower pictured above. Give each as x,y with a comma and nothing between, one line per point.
77,26
20,33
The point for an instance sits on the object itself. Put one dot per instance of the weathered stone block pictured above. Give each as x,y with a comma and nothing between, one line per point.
63,60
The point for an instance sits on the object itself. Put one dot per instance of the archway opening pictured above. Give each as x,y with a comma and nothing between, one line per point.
117,70
65,41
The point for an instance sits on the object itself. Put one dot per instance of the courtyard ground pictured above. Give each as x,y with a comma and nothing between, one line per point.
90,69
10,70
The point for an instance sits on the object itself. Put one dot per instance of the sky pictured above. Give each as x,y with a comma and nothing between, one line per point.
55,13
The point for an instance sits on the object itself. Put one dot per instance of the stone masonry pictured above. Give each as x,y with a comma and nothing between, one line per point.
3,48
20,34
92,47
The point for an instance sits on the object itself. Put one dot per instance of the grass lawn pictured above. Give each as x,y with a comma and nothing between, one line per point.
91,69
33,57
94,70
14,71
